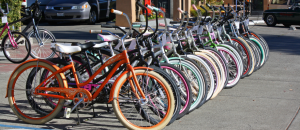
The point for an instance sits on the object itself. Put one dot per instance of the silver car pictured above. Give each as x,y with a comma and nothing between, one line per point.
70,10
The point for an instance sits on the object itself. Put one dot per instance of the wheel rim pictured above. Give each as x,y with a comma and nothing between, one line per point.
38,50
270,19
93,17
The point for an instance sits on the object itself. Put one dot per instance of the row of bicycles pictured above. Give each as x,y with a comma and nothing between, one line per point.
151,76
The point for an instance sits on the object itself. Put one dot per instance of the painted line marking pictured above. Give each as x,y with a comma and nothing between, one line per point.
21,127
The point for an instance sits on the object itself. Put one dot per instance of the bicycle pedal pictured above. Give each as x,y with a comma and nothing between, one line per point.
67,112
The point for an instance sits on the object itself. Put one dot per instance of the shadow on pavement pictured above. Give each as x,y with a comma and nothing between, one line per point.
285,44
87,122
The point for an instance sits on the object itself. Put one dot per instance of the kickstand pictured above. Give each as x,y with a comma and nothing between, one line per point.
78,123
107,108
94,114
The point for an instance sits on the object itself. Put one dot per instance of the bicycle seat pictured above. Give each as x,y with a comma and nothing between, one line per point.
67,49
84,46
100,44
106,38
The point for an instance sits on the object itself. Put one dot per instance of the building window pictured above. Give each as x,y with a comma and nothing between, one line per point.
279,2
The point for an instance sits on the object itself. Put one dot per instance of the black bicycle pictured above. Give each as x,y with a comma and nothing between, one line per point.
40,38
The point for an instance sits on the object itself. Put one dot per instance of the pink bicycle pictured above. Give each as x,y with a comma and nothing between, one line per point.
15,45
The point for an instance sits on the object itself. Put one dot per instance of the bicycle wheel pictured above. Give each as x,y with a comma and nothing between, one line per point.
203,88
261,48
233,66
159,98
256,52
41,50
22,99
210,81
175,91
18,53
246,53
194,78
183,87
265,44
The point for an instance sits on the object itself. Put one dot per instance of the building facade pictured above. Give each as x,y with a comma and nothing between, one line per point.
170,7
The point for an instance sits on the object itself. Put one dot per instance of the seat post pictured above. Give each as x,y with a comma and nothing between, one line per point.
70,57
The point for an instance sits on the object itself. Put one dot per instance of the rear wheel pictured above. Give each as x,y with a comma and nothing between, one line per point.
159,104
28,106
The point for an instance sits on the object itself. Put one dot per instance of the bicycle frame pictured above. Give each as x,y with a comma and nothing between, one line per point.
12,41
71,92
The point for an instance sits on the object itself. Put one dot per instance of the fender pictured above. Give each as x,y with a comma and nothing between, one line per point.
173,58
117,80
65,84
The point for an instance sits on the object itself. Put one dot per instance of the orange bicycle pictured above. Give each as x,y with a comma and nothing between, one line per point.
137,95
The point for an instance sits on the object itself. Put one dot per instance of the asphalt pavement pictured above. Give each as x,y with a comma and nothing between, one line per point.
267,100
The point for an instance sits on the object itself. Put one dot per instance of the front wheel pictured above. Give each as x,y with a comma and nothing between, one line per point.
41,49
159,103
92,17
17,50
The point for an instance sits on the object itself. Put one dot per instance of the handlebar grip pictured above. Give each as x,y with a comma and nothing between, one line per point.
203,8
136,25
140,4
207,5
149,7
156,9
194,6
107,26
95,31
116,12
181,11
162,25
174,22
223,4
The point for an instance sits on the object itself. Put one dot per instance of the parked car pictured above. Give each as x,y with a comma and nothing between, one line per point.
287,17
79,10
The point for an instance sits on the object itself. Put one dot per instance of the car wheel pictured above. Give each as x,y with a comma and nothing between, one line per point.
93,17
286,25
271,20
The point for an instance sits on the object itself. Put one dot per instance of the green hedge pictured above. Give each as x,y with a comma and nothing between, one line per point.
14,13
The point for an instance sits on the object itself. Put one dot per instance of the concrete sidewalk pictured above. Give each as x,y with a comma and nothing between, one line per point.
267,100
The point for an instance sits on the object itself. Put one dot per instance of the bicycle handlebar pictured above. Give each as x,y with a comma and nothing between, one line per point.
7,9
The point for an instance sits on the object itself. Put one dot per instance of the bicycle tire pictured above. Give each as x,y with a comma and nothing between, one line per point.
44,48
186,91
12,97
175,90
7,46
127,122
247,55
